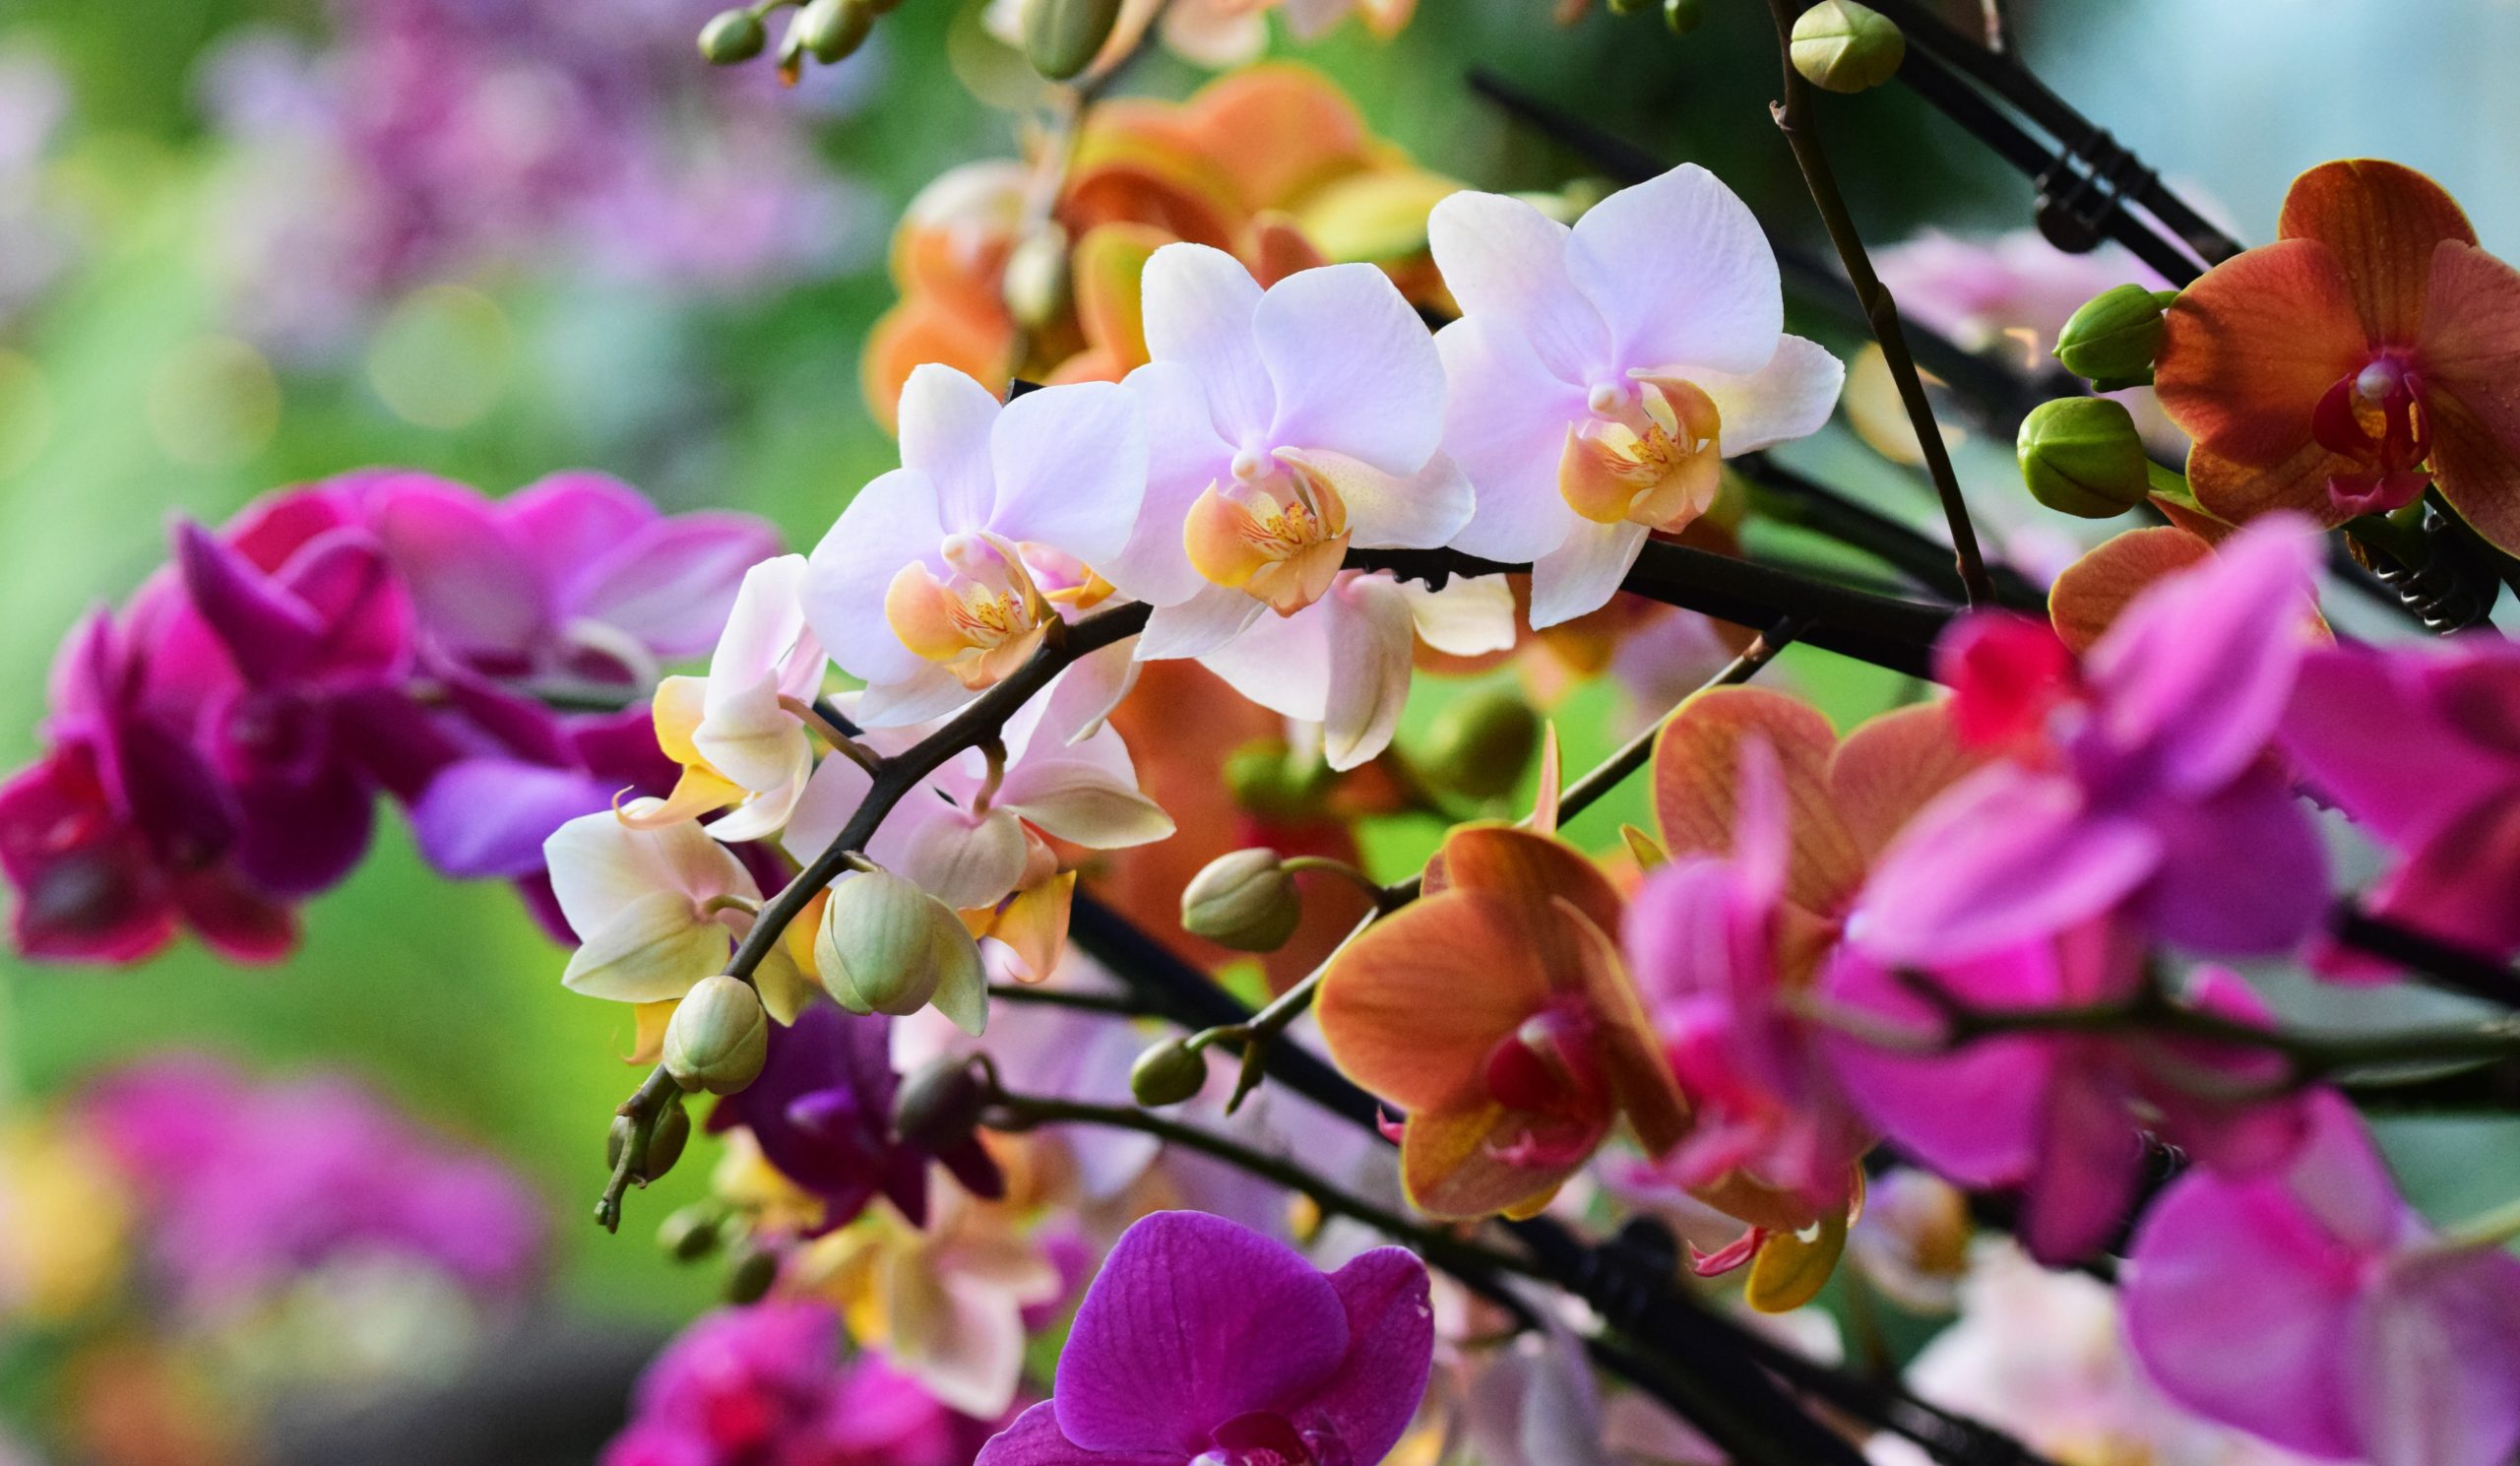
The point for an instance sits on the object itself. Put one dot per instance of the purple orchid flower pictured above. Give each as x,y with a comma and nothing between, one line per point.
822,1114
1203,1343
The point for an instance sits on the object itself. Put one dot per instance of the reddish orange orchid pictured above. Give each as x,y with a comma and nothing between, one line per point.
2373,349
1496,1013
1271,163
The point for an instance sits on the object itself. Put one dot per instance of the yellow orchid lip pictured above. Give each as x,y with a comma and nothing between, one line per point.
981,621
1279,533
1649,456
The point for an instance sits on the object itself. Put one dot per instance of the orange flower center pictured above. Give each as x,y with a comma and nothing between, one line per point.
1648,455
2377,418
979,620
1278,532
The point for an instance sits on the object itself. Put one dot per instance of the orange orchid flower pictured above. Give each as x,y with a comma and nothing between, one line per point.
2371,350
1497,1012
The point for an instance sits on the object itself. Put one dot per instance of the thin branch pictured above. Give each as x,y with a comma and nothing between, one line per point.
1802,132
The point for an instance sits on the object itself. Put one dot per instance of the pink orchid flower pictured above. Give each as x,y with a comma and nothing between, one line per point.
942,576
2313,1307
2421,744
2140,778
1599,375
735,732
1288,426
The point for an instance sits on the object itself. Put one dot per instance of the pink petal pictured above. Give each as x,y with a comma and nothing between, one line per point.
1682,271
1354,369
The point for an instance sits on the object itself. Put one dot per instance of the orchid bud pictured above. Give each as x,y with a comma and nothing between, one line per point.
668,1134
939,1105
833,30
693,1231
1245,900
2082,456
1061,38
748,1281
1480,744
1840,46
718,1036
2114,336
886,946
1035,285
1684,16
1170,1073
732,37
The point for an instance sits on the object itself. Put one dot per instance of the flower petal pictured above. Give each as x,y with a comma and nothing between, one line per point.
1035,1440
1184,457
1391,1346
1682,271
1892,766
1199,305
1281,663
2248,351
1505,421
891,523
1697,780
1199,626
1584,571
1411,1008
2381,222
1071,469
946,423
1367,627
2088,596
1792,397
1507,264
2470,357
652,949
1355,372
1413,511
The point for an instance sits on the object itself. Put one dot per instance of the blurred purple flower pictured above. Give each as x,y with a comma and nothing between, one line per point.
1203,1343
246,1186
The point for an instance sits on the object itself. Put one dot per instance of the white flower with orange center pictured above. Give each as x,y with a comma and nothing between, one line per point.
1600,374
1286,428
941,577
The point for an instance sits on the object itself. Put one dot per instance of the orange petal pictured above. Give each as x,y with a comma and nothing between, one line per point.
925,614
1529,870
1745,1197
1697,775
1222,537
1890,767
1134,162
647,1042
2382,221
2248,351
1035,925
1107,265
918,331
1411,1008
1279,249
2093,590
1278,131
1449,1166
2236,492
2471,361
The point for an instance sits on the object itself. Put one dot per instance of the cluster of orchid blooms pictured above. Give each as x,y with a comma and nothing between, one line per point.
1979,932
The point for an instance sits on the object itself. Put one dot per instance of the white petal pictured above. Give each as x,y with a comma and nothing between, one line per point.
1792,397
1198,304
1584,572
963,863
928,691
652,949
1281,662
1505,420
1369,647
600,866
1199,625
1071,469
1468,618
1505,262
1355,368
834,792
751,738
945,420
766,814
1386,511
1083,801
891,523
762,627
1682,271
1072,711
1184,456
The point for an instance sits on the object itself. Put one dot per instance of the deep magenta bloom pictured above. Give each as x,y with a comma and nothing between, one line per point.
2421,745
2313,1307
1203,1343
822,1113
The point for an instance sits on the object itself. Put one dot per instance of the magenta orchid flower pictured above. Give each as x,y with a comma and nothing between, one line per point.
942,576
2141,778
1288,427
1599,375
1205,1344
2421,745
2314,1307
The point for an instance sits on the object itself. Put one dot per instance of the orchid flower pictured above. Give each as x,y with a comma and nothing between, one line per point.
1204,1344
1496,1013
2314,1307
973,834
942,576
2140,778
2365,353
1599,375
734,734
1289,426
657,908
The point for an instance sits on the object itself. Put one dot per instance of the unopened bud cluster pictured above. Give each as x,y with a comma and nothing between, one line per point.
828,30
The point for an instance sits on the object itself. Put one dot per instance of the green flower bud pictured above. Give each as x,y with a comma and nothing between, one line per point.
1170,1073
2114,336
833,30
1481,742
667,1137
938,1106
2082,456
1035,285
1245,900
717,1037
886,946
732,37
1840,46
693,1231
1061,38
1684,16
749,1280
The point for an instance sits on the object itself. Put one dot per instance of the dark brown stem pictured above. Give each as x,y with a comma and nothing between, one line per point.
1802,132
